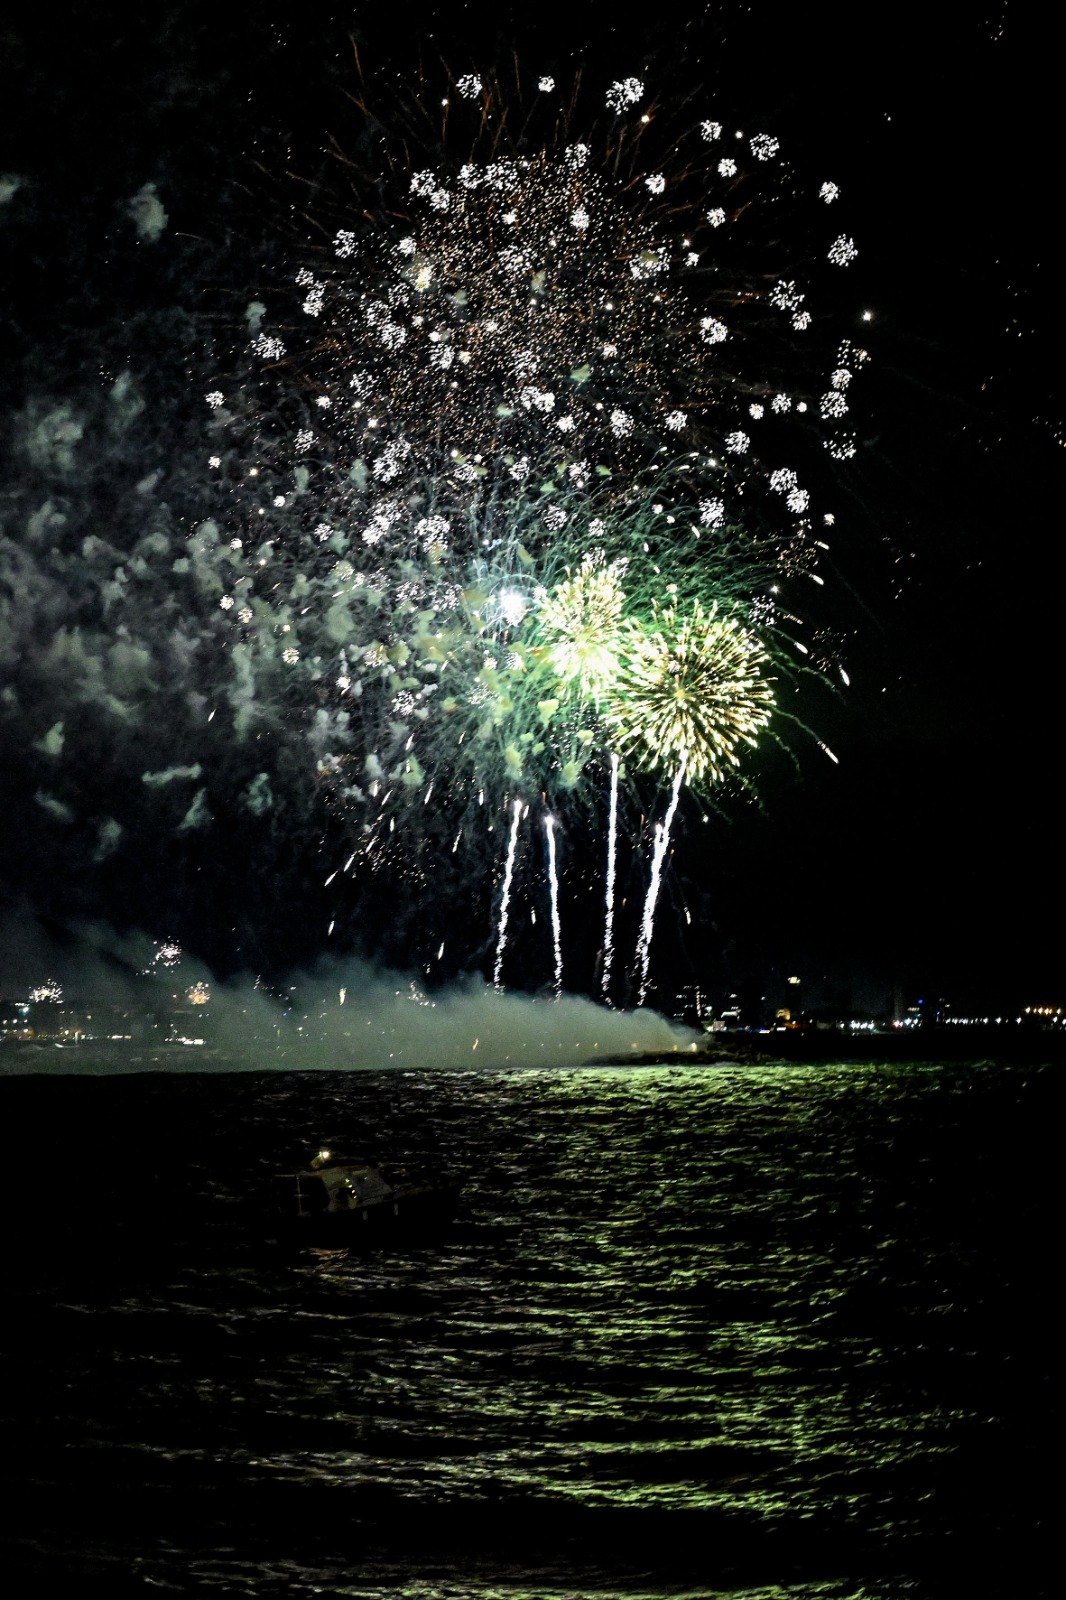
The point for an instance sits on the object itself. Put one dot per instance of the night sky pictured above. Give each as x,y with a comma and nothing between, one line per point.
927,860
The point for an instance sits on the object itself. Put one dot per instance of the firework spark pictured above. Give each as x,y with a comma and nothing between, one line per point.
51,990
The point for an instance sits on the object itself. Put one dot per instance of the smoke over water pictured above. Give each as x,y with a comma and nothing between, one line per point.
130,1006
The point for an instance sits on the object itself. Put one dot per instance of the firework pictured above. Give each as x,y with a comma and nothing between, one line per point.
505,898
497,517
578,624
553,885
612,868
688,692
647,925
501,481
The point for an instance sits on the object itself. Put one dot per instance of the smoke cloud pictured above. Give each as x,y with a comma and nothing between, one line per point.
345,1015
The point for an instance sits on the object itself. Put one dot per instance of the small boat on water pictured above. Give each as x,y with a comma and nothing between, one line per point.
341,1198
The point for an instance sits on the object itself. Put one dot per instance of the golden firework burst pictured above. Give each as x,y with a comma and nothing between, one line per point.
689,688
578,624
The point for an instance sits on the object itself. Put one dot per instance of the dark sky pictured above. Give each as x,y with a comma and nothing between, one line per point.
926,858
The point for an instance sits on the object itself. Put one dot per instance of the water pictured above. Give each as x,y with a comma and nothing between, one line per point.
747,1331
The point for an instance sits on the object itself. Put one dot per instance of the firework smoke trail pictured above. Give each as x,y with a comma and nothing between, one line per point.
553,879
612,857
505,903
662,841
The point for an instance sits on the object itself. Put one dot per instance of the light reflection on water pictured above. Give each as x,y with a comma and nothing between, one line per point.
722,1326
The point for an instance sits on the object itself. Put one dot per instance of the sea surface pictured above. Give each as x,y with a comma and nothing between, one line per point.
696,1330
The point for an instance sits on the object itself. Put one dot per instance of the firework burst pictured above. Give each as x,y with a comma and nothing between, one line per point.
522,423
689,691
578,624
504,490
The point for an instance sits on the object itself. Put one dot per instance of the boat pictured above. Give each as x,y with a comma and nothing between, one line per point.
340,1199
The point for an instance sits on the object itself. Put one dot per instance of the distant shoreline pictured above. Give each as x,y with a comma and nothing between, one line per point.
1002,1046
976,1044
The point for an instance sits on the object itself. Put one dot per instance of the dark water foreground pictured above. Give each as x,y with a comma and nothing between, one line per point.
698,1330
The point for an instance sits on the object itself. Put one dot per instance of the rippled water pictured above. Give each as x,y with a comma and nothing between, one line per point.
759,1331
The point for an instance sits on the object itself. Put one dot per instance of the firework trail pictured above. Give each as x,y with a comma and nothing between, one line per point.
662,843
612,864
553,881
505,901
